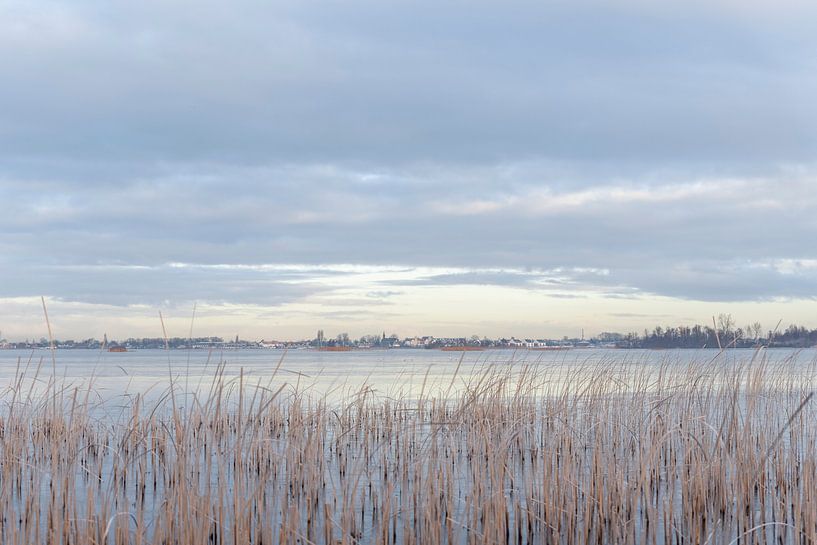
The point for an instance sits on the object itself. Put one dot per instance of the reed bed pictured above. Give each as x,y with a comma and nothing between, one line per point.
714,452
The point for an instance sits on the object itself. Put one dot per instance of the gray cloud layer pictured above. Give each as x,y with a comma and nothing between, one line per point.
671,147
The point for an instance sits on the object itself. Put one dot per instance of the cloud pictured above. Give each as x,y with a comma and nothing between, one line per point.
238,234
255,82
729,281
277,154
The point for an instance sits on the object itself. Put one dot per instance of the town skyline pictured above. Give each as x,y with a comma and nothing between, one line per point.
724,331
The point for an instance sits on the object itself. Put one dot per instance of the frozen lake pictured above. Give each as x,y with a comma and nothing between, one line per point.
578,429
398,372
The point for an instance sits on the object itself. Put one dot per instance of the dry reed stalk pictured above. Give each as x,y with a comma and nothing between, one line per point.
610,452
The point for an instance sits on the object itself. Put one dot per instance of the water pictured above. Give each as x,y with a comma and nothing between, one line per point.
441,445
396,373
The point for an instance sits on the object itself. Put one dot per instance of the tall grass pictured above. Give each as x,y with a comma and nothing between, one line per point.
711,452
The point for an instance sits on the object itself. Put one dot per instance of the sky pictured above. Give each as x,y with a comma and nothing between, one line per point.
448,168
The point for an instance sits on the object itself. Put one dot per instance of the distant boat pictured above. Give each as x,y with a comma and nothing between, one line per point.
117,349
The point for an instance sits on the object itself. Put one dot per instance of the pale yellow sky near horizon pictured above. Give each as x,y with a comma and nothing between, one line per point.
492,311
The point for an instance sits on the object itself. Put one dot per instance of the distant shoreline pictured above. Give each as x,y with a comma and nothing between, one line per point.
410,349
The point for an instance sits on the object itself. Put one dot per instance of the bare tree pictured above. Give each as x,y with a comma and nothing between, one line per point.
757,330
726,325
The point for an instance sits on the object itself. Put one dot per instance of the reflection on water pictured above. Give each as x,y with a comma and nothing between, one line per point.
397,373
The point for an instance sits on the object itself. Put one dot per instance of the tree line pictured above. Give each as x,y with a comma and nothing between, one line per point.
723,333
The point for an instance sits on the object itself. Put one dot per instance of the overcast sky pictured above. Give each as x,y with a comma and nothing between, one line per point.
524,168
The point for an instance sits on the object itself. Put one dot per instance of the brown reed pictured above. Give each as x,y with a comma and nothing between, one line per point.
712,452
